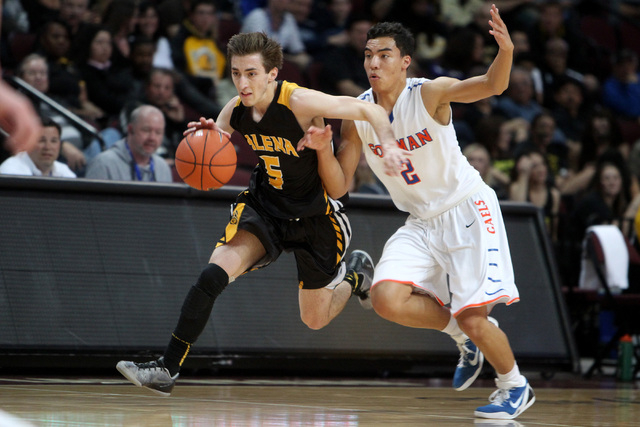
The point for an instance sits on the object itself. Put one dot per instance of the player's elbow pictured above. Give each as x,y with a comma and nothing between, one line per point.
500,90
339,195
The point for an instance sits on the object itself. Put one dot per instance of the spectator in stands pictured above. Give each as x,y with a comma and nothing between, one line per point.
65,84
246,6
279,24
41,160
76,149
160,92
311,31
570,111
460,13
34,70
119,18
570,114
608,198
142,50
379,9
478,156
108,86
38,12
134,158
171,14
148,25
141,59
75,13
342,71
335,25
464,52
601,134
519,99
195,50
501,136
523,57
541,138
621,91
551,24
531,181
423,18
15,24
554,68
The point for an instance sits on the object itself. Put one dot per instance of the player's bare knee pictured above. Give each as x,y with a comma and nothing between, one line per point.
313,321
473,326
384,306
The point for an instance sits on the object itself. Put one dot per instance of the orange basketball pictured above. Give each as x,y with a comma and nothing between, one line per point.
206,159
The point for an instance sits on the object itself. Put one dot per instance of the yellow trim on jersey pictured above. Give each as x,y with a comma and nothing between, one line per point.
285,93
339,238
232,227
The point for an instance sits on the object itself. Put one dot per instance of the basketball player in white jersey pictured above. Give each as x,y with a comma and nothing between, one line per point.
455,229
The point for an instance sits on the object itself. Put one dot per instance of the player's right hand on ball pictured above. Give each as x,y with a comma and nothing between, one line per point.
204,124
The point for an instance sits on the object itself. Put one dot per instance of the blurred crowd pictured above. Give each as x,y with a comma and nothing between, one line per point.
565,136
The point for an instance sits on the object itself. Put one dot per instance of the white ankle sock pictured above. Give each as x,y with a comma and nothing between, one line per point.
453,330
512,377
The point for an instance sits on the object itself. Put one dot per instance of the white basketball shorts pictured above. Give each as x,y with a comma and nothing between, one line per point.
466,244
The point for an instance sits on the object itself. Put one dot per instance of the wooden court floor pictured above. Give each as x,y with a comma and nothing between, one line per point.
208,401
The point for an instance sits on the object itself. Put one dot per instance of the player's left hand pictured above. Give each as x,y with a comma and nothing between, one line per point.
499,29
394,157
316,138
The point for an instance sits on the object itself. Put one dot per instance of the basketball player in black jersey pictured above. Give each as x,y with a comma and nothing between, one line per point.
284,208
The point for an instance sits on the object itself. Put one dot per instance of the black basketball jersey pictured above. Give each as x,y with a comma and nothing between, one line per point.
285,182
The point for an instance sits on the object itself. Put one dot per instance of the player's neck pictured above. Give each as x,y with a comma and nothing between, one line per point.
387,97
260,107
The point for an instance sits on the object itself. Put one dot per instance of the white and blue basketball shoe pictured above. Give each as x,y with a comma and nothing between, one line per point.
508,401
469,364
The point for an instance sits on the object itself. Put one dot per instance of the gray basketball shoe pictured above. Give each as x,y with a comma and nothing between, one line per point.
360,266
152,375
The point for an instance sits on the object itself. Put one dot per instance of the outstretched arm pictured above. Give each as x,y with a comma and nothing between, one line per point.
308,104
445,90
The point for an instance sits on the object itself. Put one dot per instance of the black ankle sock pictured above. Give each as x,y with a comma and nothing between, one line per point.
175,353
352,279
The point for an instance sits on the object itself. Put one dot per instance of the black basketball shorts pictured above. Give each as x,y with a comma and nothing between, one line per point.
318,242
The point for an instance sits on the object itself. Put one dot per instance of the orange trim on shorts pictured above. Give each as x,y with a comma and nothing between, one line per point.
412,284
486,303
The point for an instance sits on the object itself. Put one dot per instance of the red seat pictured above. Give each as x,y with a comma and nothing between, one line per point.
313,75
291,72
21,45
227,28
630,130
630,36
600,31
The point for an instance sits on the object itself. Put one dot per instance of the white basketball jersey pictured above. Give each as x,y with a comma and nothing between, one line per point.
437,176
